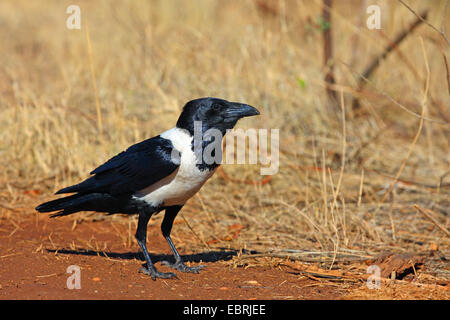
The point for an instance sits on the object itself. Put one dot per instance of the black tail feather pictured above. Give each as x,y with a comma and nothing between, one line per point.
60,204
100,202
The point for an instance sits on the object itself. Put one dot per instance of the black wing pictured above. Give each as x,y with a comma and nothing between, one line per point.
132,170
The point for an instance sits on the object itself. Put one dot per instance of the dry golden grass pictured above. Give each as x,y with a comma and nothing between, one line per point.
400,291
330,200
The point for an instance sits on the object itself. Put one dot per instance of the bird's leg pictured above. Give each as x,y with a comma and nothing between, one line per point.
166,227
141,236
179,264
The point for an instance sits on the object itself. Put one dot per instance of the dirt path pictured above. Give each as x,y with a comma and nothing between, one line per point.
36,252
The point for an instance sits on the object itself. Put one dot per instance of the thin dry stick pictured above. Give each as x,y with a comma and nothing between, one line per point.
195,234
303,215
392,45
94,83
434,221
447,71
361,187
344,223
328,49
205,209
402,166
335,244
411,147
344,144
390,217
335,195
324,191
441,32
392,99
341,174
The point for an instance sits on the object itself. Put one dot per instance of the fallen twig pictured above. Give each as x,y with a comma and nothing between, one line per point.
429,217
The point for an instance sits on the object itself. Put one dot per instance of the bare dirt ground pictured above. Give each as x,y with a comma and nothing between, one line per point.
35,255
35,258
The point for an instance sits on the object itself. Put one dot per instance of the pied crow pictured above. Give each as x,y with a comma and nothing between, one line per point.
160,173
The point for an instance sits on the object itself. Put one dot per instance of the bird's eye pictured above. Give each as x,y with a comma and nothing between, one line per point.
216,107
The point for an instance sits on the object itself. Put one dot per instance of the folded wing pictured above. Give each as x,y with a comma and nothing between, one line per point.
132,170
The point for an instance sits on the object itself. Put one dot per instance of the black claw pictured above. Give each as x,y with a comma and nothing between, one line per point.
180,266
153,273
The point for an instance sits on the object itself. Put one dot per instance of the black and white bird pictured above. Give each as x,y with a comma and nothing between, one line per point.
160,173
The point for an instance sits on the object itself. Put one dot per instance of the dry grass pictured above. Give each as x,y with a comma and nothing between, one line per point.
400,291
335,197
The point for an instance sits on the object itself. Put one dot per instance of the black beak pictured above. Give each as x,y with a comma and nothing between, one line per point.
240,110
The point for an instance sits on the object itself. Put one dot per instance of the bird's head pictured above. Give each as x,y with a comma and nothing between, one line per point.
213,113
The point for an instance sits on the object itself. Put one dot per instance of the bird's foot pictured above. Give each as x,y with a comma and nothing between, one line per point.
180,266
152,272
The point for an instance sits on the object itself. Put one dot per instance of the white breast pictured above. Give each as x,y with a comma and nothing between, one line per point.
184,182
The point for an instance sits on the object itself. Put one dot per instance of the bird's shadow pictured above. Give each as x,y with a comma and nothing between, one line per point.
209,256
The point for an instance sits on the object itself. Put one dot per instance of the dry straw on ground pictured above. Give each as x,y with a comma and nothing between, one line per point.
348,182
